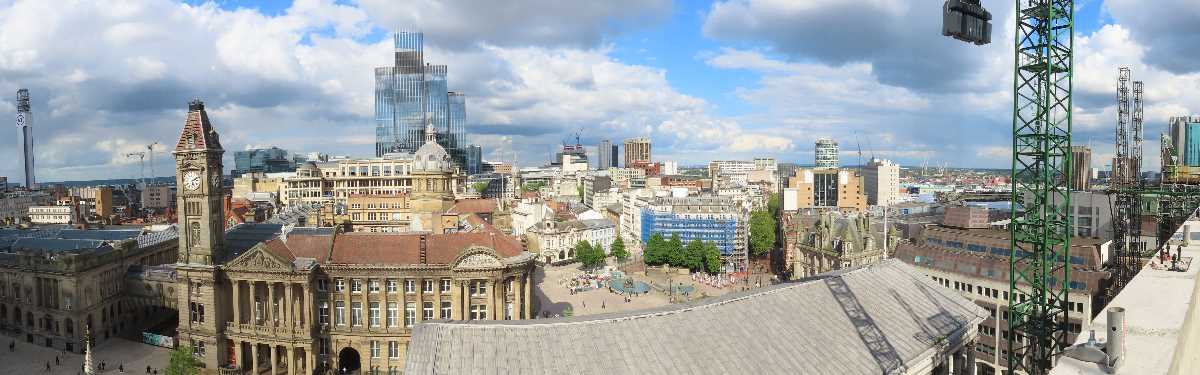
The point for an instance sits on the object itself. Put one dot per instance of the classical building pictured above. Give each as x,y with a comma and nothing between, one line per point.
554,242
828,241
56,282
301,300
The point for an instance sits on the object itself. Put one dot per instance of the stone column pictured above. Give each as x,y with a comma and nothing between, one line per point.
346,299
455,300
274,360
253,301
420,300
291,364
287,305
528,290
519,299
383,305
270,315
491,299
254,358
310,356
465,306
237,302
969,366
437,299
501,296
306,307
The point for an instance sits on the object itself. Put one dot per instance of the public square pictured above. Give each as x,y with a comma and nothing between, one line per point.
32,359
554,298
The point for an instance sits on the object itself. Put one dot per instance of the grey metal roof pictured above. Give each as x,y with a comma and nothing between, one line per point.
871,320
244,236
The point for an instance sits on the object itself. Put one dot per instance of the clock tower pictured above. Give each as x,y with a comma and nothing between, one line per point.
200,199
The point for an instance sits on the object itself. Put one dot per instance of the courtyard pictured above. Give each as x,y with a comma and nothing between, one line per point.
27,358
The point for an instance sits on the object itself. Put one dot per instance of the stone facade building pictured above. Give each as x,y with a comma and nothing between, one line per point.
815,244
56,282
298,300
554,242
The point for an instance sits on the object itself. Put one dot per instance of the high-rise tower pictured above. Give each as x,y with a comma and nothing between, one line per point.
25,127
201,237
200,199
410,95
826,154
637,150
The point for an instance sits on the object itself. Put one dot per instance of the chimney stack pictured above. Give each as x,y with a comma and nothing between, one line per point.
424,248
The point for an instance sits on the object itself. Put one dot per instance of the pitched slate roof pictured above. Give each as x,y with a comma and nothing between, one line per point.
477,206
198,133
876,319
386,248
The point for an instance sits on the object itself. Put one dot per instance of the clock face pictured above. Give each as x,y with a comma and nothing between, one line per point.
191,180
20,119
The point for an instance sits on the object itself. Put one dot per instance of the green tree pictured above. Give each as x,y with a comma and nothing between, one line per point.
182,362
590,256
618,250
655,247
675,251
774,204
762,233
712,258
480,187
693,255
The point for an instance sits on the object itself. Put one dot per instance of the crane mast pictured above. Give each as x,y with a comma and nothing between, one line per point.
1041,170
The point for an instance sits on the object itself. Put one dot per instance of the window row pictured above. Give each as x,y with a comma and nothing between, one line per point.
392,285
374,313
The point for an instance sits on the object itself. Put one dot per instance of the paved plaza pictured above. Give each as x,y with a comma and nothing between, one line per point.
32,359
554,299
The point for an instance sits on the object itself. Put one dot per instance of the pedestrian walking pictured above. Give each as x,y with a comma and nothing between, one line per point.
147,370
57,362
121,368
47,366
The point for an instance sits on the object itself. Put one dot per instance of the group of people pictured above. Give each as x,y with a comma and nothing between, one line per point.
717,281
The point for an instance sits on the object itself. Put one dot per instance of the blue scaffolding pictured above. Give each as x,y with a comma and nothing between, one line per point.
720,231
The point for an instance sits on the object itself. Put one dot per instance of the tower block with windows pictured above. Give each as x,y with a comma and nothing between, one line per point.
201,239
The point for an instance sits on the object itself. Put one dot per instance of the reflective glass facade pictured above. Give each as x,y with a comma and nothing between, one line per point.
412,93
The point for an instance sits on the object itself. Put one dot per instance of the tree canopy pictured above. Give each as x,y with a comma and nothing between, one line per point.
696,255
762,233
182,362
618,250
591,256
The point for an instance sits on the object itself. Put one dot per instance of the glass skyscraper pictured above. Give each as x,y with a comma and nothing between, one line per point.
411,94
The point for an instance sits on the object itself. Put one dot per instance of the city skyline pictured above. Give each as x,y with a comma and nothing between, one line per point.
310,74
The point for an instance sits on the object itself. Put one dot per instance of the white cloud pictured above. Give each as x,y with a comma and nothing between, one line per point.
462,24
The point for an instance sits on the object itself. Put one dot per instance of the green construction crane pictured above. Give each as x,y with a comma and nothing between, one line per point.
1041,168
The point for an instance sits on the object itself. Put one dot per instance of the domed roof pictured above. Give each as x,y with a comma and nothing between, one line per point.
431,157
308,169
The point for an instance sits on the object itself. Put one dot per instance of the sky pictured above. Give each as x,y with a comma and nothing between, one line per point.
726,79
